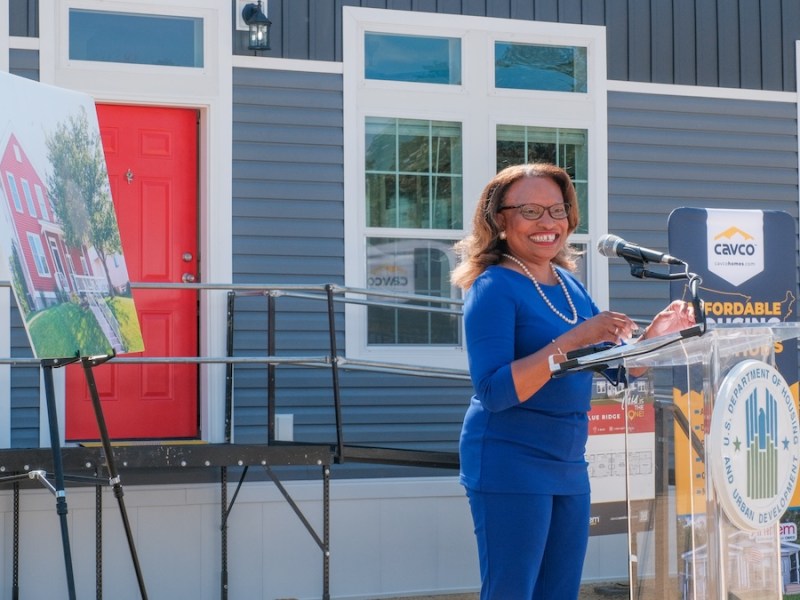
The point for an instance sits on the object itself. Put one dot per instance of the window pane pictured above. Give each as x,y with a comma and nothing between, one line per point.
409,266
136,39
412,146
413,174
530,67
411,58
381,138
568,148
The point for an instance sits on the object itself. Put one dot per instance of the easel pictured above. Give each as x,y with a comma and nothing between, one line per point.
88,363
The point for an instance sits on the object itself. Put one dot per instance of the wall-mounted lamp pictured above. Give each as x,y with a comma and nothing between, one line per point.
259,26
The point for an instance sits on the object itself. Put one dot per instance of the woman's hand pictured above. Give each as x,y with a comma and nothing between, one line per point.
678,315
607,326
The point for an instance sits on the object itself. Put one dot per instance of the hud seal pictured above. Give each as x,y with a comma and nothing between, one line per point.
754,442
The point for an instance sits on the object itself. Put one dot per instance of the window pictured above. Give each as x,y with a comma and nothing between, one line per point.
37,251
413,174
135,38
421,267
412,58
12,185
532,67
417,156
413,185
41,200
26,189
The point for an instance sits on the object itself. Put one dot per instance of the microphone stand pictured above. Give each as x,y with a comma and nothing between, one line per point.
639,270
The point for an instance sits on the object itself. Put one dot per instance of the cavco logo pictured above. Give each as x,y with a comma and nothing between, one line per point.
735,244
753,445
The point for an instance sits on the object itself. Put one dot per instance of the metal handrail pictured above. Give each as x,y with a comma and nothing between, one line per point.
331,293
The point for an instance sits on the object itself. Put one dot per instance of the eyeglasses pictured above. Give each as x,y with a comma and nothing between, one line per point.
531,211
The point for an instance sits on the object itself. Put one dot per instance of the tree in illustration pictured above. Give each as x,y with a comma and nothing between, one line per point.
79,192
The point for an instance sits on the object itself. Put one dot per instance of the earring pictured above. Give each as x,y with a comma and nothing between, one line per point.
502,235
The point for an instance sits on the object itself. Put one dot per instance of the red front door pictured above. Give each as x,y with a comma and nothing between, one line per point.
151,156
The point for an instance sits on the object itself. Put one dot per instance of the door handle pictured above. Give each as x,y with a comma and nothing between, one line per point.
188,278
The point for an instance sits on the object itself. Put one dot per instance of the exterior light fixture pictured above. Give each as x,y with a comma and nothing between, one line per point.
259,26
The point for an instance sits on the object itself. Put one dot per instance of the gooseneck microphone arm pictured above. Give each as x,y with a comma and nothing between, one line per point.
639,257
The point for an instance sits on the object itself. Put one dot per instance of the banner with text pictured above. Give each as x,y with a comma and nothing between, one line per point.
747,262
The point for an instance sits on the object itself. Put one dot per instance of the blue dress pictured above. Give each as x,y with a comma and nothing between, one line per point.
522,463
536,446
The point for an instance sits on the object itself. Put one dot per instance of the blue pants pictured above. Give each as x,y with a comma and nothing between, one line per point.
530,546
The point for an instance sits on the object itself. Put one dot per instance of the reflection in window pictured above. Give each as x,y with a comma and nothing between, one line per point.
531,67
411,266
411,58
135,38
567,148
413,174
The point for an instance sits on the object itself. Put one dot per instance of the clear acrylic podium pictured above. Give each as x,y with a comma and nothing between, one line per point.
682,544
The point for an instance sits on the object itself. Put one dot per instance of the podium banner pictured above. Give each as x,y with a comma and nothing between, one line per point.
747,262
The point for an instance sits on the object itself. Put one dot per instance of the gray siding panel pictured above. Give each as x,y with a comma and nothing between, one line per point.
24,388
288,227
707,49
639,41
24,379
666,152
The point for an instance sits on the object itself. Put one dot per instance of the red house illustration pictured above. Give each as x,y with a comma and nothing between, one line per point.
50,271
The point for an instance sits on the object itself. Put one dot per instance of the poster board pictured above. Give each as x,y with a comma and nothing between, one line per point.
59,240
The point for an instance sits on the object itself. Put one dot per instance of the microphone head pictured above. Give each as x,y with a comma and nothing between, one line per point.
607,245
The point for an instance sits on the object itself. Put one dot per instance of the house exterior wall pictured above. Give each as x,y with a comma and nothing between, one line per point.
685,42
288,228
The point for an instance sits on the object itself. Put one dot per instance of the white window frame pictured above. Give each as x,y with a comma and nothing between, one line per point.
480,107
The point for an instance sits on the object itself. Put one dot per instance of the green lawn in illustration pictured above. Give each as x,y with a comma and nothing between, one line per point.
68,330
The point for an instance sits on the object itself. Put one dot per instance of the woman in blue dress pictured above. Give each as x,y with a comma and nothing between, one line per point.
524,434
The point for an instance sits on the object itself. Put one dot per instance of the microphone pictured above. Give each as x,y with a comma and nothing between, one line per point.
612,245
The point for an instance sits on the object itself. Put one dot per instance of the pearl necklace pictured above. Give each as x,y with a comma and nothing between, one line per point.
574,318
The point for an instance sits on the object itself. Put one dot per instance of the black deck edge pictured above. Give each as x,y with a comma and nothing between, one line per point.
88,459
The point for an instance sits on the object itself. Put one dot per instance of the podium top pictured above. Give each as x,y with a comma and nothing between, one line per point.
684,347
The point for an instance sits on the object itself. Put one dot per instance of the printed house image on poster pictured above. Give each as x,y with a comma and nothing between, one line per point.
61,246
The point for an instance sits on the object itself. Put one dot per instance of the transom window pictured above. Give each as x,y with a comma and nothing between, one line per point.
117,37
534,67
412,58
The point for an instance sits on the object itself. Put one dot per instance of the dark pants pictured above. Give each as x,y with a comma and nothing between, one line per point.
530,546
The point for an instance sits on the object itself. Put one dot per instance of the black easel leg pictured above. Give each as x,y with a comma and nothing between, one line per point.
58,467
114,478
